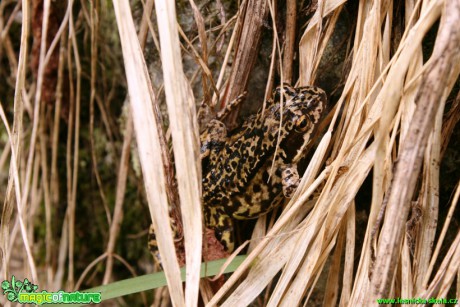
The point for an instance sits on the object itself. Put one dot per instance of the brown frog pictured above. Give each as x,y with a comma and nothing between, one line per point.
248,171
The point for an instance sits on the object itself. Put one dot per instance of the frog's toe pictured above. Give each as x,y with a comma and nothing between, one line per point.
290,180
225,237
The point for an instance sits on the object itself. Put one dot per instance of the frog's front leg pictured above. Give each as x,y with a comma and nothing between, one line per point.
218,220
290,179
224,233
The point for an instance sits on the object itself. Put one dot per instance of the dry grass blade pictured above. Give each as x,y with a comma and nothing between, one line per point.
181,107
145,124
451,262
121,189
16,148
204,50
432,87
248,42
94,51
124,160
291,13
312,44
73,142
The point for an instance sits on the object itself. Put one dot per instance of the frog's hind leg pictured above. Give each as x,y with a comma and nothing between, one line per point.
224,233
153,244
216,218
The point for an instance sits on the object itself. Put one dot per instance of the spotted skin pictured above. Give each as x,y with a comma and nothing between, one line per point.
248,171
244,176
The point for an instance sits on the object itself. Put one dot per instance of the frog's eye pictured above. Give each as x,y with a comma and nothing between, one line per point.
301,124
277,91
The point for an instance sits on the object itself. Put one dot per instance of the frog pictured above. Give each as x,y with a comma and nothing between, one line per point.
247,171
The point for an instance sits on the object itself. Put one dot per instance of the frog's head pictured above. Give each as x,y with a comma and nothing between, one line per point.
302,109
307,107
